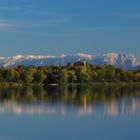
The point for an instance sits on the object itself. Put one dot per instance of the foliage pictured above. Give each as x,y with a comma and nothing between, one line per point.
71,73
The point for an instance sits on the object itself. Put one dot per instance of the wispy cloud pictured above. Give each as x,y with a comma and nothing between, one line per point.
15,7
10,25
132,16
6,25
40,23
50,14
128,15
30,9
18,17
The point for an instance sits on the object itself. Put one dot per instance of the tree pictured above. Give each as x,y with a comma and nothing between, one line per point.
137,77
110,73
54,75
39,76
27,76
64,74
71,77
82,75
21,67
94,76
126,76
10,75
100,75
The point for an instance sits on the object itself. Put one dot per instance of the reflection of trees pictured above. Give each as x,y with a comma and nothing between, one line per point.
108,100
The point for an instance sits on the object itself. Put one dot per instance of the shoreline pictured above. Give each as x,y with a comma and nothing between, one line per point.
16,84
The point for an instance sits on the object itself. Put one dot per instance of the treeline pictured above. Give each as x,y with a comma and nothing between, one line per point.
71,73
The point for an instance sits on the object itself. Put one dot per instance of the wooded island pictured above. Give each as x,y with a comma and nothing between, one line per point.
78,72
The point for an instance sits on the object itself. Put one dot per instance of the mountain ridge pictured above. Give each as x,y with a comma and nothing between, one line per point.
126,61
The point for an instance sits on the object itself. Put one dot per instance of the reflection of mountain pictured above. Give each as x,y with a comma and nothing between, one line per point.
124,106
82,100
111,108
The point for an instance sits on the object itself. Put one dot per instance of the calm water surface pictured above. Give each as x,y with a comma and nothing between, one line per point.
70,113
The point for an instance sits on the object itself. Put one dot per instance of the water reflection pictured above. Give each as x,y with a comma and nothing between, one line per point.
81,100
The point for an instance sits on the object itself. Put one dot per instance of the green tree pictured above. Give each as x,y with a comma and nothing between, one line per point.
110,73
82,75
127,76
137,77
27,76
64,74
39,76
71,77
9,75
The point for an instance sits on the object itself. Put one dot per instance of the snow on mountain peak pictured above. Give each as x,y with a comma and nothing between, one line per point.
62,56
85,56
113,58
110,58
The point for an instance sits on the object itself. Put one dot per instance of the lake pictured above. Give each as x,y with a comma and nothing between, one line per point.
70,113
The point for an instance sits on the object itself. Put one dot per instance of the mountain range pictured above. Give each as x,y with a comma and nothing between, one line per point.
118,60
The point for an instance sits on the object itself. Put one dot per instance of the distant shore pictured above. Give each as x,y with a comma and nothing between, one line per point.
70,74
14,84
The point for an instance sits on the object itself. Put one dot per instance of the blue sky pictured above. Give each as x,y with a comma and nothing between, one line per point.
43,27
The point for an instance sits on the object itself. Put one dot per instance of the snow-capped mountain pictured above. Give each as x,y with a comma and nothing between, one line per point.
115,59
136,68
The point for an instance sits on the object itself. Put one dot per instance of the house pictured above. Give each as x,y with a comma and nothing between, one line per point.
80,63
